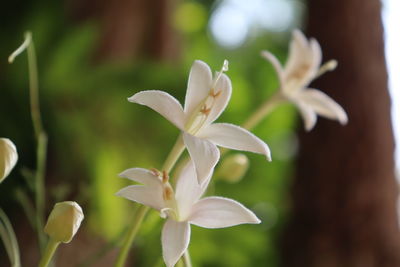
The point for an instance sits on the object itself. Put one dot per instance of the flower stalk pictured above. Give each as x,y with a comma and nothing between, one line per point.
10,242
139,215
49,252
186,259
263,111
40,134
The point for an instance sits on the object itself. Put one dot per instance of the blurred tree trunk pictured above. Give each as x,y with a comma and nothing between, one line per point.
345,193
131,28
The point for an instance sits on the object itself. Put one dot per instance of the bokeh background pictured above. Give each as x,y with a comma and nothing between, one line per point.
94,54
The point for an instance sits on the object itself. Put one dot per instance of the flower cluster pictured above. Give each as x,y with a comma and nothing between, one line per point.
206,98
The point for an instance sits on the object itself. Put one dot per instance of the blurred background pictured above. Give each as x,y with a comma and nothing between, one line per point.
327,199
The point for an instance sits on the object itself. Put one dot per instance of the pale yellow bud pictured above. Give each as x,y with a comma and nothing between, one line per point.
233,168
8,157
64,221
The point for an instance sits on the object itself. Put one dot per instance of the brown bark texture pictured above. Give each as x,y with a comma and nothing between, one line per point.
344,193
131,29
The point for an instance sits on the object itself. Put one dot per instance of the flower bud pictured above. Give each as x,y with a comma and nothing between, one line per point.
233,167
8,157
64,221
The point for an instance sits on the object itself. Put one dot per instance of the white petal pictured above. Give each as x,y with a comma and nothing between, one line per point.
218,212
142,176
316,52
224,90
234,137
323,105
148,196
8,157
298,50
163,103
188,191
308,114
204,154
175,240
199,85
275,63
301,66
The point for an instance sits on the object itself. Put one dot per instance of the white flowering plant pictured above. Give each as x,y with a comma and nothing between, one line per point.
178,190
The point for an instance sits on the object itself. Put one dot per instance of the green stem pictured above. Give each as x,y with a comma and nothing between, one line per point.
137,221
174,155
48,252
186,259
141,212
39,186
263,111
34,87
41,138
7,234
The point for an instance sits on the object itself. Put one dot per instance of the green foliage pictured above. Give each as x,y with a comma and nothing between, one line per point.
95,133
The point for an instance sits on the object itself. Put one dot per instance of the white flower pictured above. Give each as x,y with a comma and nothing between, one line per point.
182,207
302,67
64,221
205,100
9,157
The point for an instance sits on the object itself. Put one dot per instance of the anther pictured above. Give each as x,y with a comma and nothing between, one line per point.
165,177
155,172
167,194
213,94
205,110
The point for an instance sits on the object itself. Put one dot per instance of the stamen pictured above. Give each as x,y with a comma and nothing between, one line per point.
300,71
167,194
214,94
219,74
328,66
204,110
155,172
165,177
225,66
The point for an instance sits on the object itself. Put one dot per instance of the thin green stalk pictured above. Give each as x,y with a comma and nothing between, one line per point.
41,138
137,221
48,252
40,134
34,87
27,206
141,212
174,155
186,259
263,111
39,186
9,239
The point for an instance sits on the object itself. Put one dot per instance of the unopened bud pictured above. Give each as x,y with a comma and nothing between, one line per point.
233,167
8,157
64,221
